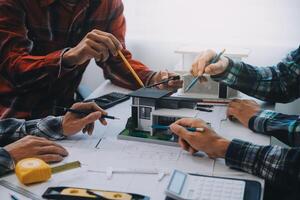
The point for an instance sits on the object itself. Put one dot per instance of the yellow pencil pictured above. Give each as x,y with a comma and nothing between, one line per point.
137,78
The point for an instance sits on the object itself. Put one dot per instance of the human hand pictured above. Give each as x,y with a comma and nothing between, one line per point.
162,75
96,44
73,123
37,147
242,110
208,141
202,64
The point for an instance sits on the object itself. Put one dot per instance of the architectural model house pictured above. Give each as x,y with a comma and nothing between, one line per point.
208,89
152,106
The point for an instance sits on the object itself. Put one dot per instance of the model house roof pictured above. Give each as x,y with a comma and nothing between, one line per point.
151,93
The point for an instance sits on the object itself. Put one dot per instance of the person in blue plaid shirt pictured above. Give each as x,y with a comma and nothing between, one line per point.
24,139
280,167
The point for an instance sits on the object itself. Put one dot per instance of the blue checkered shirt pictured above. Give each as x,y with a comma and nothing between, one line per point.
281,83
14,129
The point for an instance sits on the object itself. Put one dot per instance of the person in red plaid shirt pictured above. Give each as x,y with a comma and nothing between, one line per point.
46,45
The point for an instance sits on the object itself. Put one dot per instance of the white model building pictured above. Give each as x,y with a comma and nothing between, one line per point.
152,106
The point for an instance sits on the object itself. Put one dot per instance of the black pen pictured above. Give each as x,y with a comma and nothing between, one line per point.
84,112
205,106
204,109
172,78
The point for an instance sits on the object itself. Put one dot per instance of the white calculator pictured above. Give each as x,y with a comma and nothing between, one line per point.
183,186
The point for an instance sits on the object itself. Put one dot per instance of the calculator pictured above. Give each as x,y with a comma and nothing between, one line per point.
109,100
183,186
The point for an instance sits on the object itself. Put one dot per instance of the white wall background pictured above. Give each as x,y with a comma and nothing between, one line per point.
155,28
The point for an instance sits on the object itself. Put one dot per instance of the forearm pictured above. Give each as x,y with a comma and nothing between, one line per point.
275,164
19,64
14,129
284,127
276,84
26,72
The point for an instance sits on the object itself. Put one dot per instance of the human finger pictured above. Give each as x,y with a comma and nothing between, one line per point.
116,42
52,150
181,132
213,69
183,144
103,121
90,118
90,128
50,158
192,150
204,60
84,130
164,74
91,106
101,38
190,122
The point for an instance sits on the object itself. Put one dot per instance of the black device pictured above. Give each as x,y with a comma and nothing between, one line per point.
73,193
109,100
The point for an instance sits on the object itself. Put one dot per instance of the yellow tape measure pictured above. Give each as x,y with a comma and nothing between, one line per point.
34,170
92,194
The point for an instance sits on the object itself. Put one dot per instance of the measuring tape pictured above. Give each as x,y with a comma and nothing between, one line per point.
71,193
34,170
19,190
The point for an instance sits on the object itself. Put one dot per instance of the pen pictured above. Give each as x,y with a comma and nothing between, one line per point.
164,81
204,109
13,197
162,127
194,81
205,105
83,112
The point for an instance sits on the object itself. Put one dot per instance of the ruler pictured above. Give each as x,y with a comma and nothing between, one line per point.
65,167
19,190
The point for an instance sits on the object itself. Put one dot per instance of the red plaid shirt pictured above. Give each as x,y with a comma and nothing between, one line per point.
33,36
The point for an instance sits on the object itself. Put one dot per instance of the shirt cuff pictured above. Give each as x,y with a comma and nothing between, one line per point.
63,69
241,155
6,162
223,75
149,77
230,73
49,127
258,122
146,76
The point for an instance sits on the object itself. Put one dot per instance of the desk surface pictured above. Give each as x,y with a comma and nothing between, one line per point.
91,152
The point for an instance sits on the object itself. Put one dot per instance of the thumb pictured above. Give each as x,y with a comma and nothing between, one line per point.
164,75
181,132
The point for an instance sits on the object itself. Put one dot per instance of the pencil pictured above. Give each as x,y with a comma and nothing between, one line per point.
194,81
83,112
13,197
137,78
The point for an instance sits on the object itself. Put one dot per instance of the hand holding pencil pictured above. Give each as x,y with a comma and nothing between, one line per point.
205,64
73,122
207,140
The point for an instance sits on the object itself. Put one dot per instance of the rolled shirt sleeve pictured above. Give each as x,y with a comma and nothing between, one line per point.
14,129
279,83
282,126
278,165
